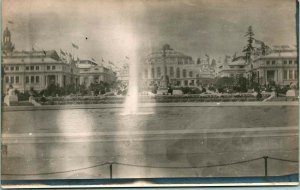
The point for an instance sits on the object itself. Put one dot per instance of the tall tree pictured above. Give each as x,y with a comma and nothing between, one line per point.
249,49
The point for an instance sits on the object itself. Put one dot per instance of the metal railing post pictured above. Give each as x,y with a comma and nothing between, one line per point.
111,169
266,165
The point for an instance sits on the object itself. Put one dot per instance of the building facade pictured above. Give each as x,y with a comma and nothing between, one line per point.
232,68
90,72
27,70
279,67
174,68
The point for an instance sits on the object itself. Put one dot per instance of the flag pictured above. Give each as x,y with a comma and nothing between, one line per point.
10,22
93,59
206,55
127,57
44,52
75,46
61,52
102,60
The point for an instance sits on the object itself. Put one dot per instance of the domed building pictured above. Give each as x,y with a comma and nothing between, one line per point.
167,67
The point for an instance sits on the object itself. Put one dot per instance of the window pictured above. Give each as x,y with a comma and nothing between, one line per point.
273,62
296,74
152,72
184,73
180,61
17,79
177,73
295,62
17,68
37,79
48,67
53,67
166,70
185,61
12,68
6,68
27,79
31,67
37,68
290,74
7,79
158,72
186,82
12,80
146,73
191,73
284,62
290,62
27,68
268,62
32,79
171,72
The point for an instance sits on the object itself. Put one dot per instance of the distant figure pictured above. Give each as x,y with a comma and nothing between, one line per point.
43,99
258,95
154,89
170,90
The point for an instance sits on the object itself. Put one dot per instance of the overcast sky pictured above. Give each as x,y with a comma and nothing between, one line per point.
194,27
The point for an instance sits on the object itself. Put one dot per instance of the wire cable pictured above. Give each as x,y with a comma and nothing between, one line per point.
147,166
58,172
284,160
189,167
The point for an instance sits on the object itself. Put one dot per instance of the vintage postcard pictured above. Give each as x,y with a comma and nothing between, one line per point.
139,93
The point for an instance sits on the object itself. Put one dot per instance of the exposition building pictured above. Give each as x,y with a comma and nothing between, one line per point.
169,67
91,72
279,67
25,70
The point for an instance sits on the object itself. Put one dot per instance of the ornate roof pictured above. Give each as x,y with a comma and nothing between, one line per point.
167,51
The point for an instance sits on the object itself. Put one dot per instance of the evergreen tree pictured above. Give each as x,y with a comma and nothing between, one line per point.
249,49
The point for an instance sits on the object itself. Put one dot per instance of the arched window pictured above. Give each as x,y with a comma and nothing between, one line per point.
183,73
177,73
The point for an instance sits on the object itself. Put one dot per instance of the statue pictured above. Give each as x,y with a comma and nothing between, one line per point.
11,96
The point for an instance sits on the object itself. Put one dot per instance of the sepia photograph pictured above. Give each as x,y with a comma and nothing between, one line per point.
140,93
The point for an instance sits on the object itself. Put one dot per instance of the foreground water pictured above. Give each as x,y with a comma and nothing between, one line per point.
49,144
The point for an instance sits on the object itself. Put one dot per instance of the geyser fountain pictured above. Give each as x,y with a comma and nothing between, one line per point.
132,98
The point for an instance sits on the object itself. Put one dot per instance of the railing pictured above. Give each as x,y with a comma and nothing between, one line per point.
111,164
